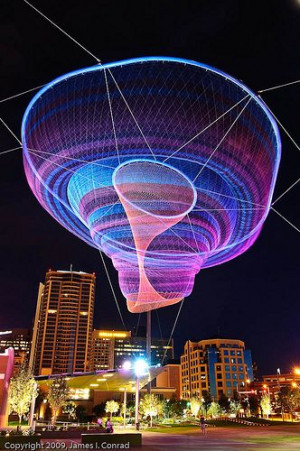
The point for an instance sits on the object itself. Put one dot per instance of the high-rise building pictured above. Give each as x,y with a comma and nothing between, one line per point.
19,340
111,348
217,366
63,324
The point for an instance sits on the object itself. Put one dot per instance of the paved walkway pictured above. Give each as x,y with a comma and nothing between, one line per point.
246,438
230,438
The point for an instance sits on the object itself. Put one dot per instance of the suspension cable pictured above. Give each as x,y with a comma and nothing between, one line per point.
278,86
63,31
206,128
22,93
222,139
111,115
158,322
285,219
172,332
283,128
10,150
10,131
286,191
131,112
112,289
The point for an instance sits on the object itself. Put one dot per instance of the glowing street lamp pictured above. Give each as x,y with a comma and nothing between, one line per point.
126,365
297,371
141,368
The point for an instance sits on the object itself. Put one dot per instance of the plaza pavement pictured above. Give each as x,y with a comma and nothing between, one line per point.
219,438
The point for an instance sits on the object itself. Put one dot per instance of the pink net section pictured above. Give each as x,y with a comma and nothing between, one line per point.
155,197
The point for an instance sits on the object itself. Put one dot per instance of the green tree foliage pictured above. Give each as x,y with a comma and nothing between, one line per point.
214,410
151,406
245,405
290,398
207,399
224,402
253,404
57,396
70,409
235,407
236,396
265,404
172,408
195,405
112,407
22,391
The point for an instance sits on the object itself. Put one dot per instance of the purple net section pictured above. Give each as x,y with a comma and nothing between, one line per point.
197,125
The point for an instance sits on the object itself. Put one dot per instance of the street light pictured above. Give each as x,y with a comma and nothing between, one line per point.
141,368
297,371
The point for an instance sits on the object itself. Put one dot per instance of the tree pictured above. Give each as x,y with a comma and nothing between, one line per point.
215,410
57,396
81,413
111,407
245,406
151,406
265,404
290,398
99,409
207,399
70,409
195,406
235,407
236,396
173,407
253,404
22,391
224,402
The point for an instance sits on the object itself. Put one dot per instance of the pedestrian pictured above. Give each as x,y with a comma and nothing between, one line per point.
203,425
99,421
109,428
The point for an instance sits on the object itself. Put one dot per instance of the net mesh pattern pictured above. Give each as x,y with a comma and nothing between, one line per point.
193,152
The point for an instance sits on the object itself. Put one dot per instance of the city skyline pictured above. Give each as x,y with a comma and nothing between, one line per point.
140,331
254,298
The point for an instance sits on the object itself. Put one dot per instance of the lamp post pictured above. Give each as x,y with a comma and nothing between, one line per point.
141,368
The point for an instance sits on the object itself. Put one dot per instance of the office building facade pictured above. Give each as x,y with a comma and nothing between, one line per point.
20,341
63,326
217,366
110,349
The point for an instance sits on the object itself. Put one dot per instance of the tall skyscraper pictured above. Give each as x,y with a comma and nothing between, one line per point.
110,348
217,366
63,323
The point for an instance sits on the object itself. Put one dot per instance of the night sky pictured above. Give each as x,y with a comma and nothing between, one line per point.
255,297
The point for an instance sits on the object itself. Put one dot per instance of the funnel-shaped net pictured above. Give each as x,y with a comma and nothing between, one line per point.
168,168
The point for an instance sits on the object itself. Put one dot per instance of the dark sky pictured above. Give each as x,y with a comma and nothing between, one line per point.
254,297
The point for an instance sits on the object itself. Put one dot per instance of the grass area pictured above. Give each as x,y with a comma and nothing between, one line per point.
173,428
273,439
16,423
225,424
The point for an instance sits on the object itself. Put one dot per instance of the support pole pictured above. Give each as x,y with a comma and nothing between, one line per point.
125,407
148,346
137,402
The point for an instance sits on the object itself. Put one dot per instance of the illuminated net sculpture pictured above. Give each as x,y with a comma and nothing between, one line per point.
166,165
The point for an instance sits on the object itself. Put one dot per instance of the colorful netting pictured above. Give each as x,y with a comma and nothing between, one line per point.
169,168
